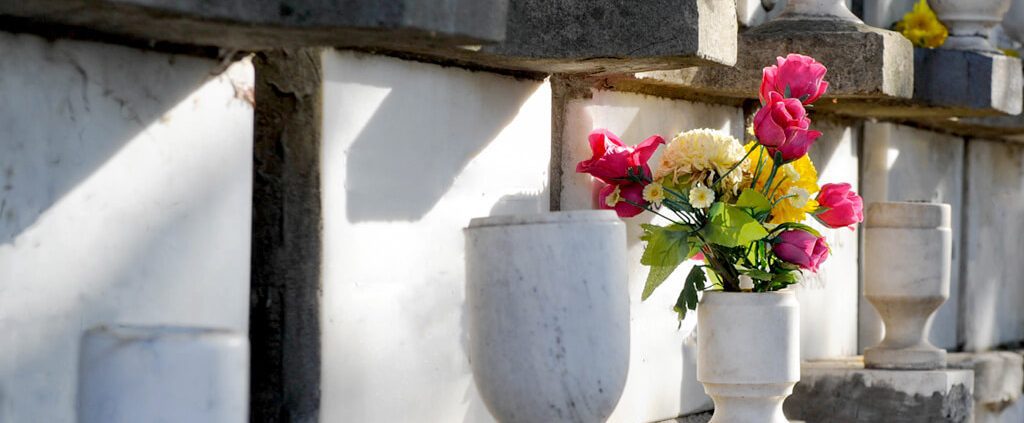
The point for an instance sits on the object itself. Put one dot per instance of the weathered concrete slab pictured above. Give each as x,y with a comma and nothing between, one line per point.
598,36
979,83
998,377
864,63
540,36
843,391
263,24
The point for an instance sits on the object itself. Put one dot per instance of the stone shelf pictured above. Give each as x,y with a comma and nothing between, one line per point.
872,73
264,24
843,390
541,36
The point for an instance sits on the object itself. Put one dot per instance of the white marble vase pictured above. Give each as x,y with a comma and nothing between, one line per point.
828,10
908,250
131,374
970,22
548,314
748,353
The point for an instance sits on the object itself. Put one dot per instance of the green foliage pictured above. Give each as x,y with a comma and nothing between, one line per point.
695,281
755,202
730,226
667,247
797,226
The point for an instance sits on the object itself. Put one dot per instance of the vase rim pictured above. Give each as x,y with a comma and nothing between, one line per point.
907,214
781,297
544,218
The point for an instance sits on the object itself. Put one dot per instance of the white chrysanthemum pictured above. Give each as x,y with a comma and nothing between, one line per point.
790,171
654,193
701,197
746,283
696,153
799,197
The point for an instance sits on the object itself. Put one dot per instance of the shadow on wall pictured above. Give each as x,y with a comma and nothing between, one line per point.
406,157
70,109
49,138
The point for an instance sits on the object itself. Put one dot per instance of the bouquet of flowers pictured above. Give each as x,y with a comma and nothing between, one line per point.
738,208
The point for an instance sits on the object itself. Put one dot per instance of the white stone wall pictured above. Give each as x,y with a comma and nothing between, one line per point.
993,291
125,196
828,299
907,164
412,152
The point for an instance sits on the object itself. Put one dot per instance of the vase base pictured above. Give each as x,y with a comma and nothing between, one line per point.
904,358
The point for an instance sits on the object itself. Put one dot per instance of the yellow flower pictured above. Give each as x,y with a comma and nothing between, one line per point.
701,197
654,193
798,178
700,155
612,199
1010,52
922,27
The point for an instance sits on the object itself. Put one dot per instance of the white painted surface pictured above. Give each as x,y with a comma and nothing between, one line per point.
126,197
130,374
412,152
749,353
884,13
549,314
662,380
908,164
993,290
907,253
828,299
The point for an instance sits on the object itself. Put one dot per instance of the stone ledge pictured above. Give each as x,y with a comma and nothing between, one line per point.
873,73
864,63
545,36
998,377
264,24
843,390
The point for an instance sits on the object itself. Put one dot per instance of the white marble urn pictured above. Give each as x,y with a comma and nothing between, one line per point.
548,314
748,347
908,249
970,23
830,10
131,374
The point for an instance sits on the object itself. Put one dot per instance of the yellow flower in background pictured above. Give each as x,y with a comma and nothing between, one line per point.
612,199
922,27
698,155
654,193
1010,52
798,179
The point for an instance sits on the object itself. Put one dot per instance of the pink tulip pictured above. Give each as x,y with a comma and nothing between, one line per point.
803,75
843,207
781,125
612,160
633,192
801,248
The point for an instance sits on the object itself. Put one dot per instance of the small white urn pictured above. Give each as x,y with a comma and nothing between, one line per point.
748,347
830,10
548,314
131,374
908,248
970,23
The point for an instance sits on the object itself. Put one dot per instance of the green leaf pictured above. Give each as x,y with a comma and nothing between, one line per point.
755,201
757,274
788,93
687,300
666,245
798,226
656,276
730,226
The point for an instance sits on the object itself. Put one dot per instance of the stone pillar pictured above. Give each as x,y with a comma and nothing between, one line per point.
133,374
